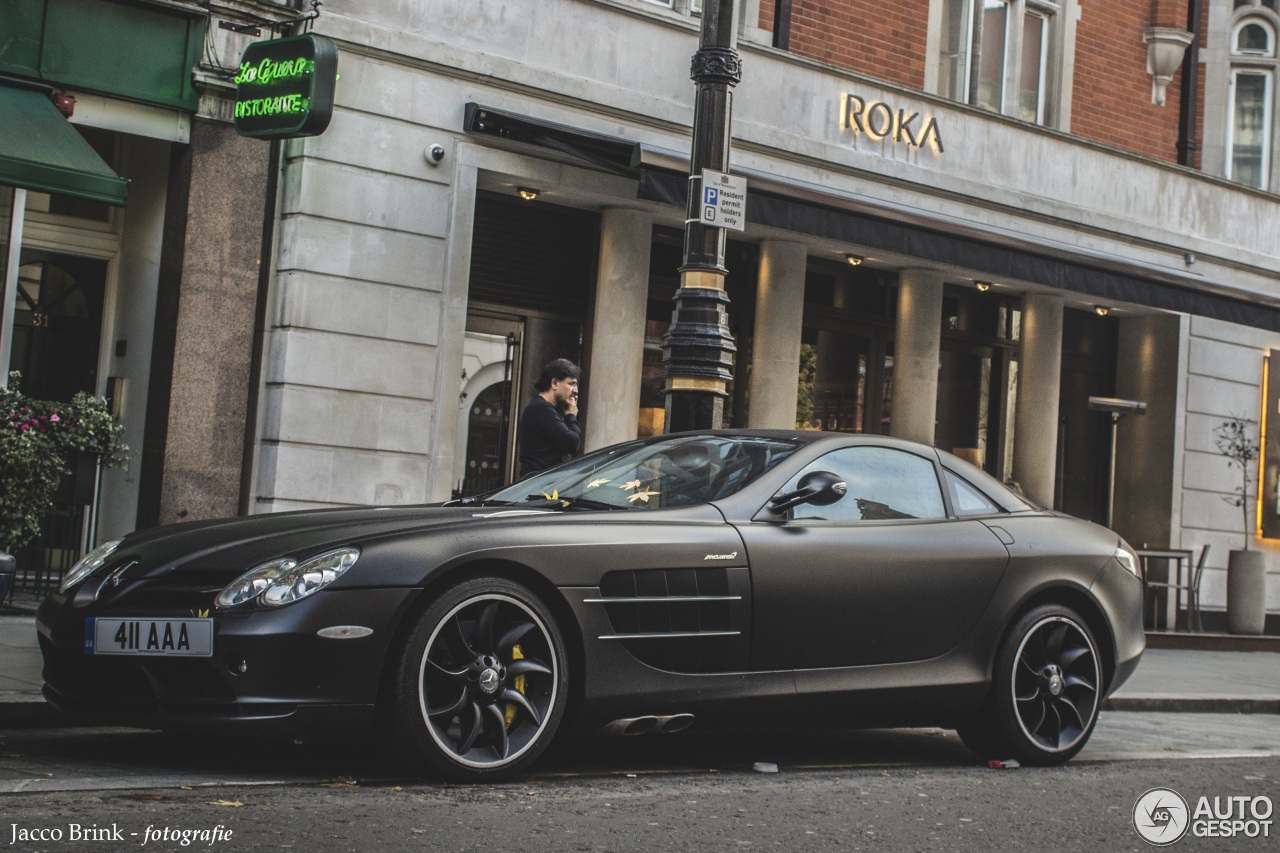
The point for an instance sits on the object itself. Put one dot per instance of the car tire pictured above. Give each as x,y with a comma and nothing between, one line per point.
1045,692
481,683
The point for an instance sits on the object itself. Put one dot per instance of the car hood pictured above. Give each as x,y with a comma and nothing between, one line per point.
238,544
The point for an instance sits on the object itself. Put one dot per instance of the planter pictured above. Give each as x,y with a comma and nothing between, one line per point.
8,567
1246,592
78,487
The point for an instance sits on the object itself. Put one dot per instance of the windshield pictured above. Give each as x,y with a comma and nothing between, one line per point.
651,474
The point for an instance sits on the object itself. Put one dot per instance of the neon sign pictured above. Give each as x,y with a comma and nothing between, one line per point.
284,87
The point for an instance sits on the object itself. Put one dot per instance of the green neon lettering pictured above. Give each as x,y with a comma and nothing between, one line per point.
289,104
269,70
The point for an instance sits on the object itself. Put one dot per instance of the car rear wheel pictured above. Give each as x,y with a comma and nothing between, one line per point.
1045,694
481,682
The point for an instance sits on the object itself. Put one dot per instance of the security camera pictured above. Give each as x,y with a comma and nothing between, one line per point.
1117,406
435,153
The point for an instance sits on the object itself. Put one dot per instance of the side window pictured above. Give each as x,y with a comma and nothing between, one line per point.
884,484
966,499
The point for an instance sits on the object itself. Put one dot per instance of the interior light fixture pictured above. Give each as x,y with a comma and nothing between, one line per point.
854,260
1101,310
983,286
526,193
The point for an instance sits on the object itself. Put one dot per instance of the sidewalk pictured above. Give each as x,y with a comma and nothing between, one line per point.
1179,680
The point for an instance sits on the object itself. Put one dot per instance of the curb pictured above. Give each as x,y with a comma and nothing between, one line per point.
1194,704
29,711
33,713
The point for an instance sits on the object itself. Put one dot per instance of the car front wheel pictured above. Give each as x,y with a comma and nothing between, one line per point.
481,682
1045,692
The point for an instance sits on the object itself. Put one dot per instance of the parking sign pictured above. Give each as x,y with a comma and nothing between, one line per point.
724,200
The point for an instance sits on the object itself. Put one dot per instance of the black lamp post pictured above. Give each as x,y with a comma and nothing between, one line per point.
698,350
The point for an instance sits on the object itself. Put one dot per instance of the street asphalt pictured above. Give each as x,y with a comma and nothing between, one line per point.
1167,680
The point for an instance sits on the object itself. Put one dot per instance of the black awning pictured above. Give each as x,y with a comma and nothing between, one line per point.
40,151
1100,282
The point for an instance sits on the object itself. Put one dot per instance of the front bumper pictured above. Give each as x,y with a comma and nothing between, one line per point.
269,673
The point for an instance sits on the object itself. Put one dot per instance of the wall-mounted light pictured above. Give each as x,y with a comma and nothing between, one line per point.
983,286
854,260
526,193
1101,310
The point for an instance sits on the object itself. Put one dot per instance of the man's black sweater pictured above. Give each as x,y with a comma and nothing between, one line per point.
546,437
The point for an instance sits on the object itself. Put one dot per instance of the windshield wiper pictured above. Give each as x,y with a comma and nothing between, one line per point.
475,501
568,503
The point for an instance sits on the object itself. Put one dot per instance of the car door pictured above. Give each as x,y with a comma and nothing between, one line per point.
883,575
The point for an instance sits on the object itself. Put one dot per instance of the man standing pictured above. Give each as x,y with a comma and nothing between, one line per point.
549,431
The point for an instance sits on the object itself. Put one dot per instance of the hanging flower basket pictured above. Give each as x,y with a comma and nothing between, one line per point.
38,441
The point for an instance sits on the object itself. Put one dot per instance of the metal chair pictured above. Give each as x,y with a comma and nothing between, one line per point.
1192,588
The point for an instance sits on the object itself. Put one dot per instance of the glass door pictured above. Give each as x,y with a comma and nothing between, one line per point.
57,323
56,331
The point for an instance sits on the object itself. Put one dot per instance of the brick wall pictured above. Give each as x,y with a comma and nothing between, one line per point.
1112,87
884,40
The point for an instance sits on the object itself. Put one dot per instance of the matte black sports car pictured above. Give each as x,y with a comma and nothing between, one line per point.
706,579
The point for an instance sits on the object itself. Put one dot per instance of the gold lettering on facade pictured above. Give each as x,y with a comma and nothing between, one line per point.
877,121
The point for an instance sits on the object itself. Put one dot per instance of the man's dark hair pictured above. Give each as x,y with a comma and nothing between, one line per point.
561,368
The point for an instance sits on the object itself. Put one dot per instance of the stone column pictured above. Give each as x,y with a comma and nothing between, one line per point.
915,355
617,334
775,352
192,459
1035,436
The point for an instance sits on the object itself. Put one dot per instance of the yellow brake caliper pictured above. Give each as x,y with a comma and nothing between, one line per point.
516,655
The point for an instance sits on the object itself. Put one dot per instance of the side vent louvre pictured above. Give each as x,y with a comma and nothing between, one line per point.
680,620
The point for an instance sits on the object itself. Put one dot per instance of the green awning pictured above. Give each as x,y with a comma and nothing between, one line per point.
40,150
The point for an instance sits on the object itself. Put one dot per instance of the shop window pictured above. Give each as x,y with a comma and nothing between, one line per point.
1251,97
987,47
980,315
847,349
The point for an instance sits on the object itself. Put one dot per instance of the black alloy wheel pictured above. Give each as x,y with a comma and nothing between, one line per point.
482,681
1046,692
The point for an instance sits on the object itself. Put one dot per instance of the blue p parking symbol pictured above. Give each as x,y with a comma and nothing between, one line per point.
710,196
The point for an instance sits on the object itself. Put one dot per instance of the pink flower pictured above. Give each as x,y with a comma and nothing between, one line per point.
54,417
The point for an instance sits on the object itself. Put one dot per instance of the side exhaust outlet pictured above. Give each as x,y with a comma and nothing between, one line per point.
674,723
629,726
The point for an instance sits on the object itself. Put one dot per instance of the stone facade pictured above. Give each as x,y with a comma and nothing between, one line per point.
369,289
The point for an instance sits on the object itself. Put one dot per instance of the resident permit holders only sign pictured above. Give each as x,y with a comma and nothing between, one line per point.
724,200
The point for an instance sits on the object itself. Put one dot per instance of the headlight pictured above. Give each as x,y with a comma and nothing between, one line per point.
286,581
92,561
1128,558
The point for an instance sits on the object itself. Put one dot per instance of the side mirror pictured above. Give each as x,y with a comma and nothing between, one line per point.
821,488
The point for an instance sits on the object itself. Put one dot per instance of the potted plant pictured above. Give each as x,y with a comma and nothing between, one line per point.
38,441
1246,569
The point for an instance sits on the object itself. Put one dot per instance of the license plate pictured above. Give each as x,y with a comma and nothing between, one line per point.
145,636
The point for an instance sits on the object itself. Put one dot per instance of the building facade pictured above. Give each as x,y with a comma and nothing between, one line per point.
131,223
965,218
